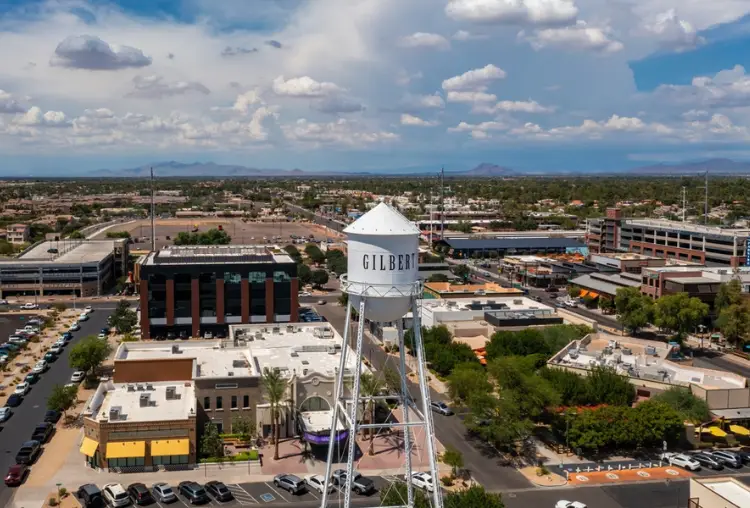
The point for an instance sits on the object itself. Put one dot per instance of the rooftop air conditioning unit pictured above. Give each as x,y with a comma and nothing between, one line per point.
294,354
114,413
143,399
150,387
517,301
140,388
131,388
276,330
175,349
290,328
230,373
171,392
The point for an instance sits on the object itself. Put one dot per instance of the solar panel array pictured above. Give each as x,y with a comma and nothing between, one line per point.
213,254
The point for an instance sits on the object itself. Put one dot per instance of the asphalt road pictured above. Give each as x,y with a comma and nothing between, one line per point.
31,411
637,495
317,219
714,360
480,460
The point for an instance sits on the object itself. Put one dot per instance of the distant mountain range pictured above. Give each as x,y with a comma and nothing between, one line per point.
483,170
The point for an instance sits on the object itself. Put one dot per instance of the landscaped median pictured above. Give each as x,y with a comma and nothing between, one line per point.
246,456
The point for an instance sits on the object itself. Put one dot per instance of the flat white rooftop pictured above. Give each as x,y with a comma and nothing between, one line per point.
217,254
66,252
123,402
687,226
730,490
514,303
211,359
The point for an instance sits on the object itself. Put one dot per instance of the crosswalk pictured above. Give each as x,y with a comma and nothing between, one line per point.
241,495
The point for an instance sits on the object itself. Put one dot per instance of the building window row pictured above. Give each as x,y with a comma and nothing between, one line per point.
167,460
233,402
129,462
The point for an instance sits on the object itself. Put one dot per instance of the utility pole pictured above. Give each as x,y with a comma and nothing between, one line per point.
442,203
153,212
684,203
430,219
705,206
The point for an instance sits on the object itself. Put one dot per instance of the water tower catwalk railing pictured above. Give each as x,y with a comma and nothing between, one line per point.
365,293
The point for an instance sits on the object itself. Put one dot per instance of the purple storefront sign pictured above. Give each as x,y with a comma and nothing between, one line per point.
323,439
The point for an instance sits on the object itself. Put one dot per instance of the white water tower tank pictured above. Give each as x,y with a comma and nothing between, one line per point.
383,255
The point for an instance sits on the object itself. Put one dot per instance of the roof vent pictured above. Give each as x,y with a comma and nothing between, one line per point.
230,373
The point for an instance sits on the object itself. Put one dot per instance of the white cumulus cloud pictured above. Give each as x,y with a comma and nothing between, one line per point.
475,79
578,37
92,53
671,32
304,86
415,121
424,40
533,12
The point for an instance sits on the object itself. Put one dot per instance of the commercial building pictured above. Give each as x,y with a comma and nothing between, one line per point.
718,492
605,284
629,262
226,374
127,426
709,245
698,281
18,233
518,309
66,267
451,290
200,290
463,248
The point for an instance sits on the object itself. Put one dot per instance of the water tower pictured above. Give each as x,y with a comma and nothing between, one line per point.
383,285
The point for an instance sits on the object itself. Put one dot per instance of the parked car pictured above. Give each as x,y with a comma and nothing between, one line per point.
84,317
321,302
28,453
50,357
88,309
289,482
77,376
360,484
29,306
5,413
42,432
115,495
74,327
219,491
681,460
317,482
706,460
67,336
90,496
14,400
441,407
16,474
193,492
744,454
163,493
423,481
31,378
41,366
22,389
140,494
569,504
51,416
339,476
56,349
727,458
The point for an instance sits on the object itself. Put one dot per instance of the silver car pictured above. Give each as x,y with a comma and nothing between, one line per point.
163,493
727,458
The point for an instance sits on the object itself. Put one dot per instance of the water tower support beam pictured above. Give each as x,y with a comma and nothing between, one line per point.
338,395
355,405
405,402
426,411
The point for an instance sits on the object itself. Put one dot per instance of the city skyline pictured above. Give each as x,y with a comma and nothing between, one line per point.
371,86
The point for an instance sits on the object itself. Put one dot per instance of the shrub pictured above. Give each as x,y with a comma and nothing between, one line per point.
62,492
52,501
447,481
542,471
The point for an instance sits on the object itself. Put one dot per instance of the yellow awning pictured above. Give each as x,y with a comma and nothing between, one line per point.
716,431
170,447
583,293
593,295
739,429
89,446
126,450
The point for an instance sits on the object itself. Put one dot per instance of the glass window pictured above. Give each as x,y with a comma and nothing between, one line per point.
245,401
281,276
257,277
207,294
219,403
183,294
206,402
233,402
232,294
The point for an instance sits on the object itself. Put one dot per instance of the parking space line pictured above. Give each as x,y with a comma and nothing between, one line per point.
312,493
238,489
277,492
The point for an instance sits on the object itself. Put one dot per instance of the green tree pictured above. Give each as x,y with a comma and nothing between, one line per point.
730,293
243,426
76,235
605,386
467,380
391,380
211,237
462,271
473,497
437,277
294,253
607,305
679,313
734,322
125,322
62,398
396,494
59,306
275,389
319,277
370,386
89,354
574,291
691,408
634,309
571,387
304,274
515,378
314,253
343,299
211,443
454,459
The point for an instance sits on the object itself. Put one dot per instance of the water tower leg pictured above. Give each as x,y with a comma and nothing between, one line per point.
405,402
424,389
338,395
355,405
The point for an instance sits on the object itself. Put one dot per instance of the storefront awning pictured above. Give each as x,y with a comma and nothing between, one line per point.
170,447
593,295
740,430
89,446
583,293
126,450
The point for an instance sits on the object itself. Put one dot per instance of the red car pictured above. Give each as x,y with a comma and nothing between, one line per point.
16,474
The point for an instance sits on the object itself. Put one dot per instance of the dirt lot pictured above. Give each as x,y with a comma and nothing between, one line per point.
242,233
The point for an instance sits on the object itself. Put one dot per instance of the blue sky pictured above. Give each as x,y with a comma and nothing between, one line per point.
372,85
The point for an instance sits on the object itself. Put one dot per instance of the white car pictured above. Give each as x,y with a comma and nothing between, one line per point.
74,327
78,376
40,367
681,460
29,306
422,481
56,349
88,309
102,336
22,389
5,413
569,504
115,495
305,293
317,482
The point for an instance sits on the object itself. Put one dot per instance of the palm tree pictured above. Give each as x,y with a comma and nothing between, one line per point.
370,386
275,387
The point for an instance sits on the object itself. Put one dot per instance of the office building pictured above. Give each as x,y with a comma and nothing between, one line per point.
66,267
199,290
709,245
698,281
